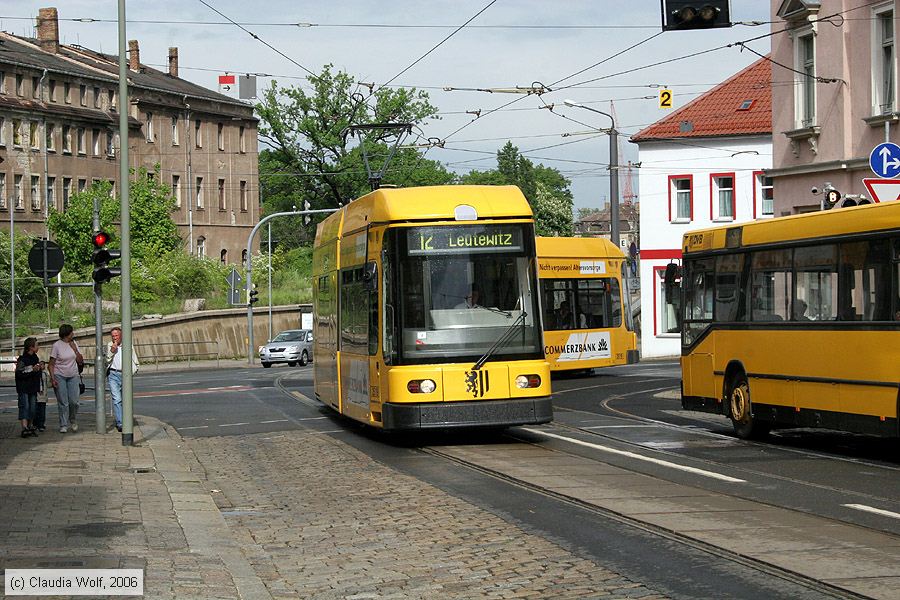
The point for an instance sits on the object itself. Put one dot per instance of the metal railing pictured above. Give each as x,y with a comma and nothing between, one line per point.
194,350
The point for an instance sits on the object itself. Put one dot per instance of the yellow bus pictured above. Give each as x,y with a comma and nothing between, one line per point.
795,321
587,320
426,310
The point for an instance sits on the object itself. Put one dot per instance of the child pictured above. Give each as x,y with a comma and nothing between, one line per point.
28,384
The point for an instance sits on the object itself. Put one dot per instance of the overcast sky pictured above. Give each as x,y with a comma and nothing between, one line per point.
512,43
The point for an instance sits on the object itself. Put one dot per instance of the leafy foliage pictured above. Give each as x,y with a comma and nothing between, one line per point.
314,159
545,188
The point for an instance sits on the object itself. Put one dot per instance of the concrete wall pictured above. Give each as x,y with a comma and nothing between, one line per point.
210,331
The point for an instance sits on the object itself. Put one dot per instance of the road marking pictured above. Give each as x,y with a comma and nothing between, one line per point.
195,427
233,424
275,421
627,454
873,510
619,426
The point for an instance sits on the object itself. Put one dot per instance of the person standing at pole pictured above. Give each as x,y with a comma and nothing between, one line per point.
65,366
114,371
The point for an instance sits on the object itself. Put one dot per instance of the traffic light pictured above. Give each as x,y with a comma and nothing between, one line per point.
680,15
103,255
253,295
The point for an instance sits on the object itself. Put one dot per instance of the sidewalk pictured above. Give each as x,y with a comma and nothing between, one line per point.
85,501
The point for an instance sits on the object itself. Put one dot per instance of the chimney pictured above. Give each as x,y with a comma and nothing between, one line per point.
134,55
48,30
173,62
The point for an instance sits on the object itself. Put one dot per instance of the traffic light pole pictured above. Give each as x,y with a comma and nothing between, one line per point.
127,349
249,287
99,355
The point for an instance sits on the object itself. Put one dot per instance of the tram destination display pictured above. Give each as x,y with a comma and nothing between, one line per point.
452,240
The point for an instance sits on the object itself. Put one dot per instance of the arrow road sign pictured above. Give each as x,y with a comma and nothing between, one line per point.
885,160
883,190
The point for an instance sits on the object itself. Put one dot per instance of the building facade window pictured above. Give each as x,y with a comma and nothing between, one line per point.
67,139
149,127
82,95
242,139
33,137
35,193
67,92
681,198
666,317
3,191
51,192
18,201
220,136
2,131
199,188
201,247
82,184
97,97
721,197
174,131
52,90
81,144
221,194
884,62
20,85
36,88
763,195
176,190
2,82
51,137
243,196
198,133
110,142
805,79
66,192
111,99
17,133
95,142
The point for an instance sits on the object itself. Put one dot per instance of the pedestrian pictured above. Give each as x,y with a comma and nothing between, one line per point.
114,371
29,370
65,366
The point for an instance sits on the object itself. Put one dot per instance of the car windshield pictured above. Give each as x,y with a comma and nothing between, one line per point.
462,287
290,336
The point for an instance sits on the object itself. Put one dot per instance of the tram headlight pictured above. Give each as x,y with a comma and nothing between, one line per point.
421,386
528,381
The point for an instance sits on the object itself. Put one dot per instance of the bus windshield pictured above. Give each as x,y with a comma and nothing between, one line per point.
460,289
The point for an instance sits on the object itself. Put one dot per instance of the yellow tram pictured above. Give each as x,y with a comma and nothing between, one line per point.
586,312
427,312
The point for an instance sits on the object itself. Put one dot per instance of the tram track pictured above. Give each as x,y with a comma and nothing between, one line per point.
764,568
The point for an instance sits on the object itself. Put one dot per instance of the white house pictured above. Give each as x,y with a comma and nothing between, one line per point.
701,166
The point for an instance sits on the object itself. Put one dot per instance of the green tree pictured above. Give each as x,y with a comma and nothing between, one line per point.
153,232
311,156
545,188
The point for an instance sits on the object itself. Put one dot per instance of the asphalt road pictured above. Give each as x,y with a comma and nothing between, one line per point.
623,417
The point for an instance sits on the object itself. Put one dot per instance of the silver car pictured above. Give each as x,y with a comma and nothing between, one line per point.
293,347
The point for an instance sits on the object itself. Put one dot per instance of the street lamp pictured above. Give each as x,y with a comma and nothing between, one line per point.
613,171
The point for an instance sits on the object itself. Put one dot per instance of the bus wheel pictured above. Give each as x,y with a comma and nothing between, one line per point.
745,426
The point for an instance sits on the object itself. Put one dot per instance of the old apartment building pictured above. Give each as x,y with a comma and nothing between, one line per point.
59,133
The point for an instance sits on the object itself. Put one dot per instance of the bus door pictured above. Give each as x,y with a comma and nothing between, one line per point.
698,307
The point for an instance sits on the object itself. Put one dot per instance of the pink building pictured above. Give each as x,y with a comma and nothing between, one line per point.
833,96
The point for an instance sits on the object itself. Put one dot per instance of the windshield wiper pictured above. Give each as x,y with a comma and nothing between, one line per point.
506,313
507,335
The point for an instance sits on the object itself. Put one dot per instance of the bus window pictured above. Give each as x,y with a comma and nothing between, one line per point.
770,285
729,268
866,291
699,290
815,269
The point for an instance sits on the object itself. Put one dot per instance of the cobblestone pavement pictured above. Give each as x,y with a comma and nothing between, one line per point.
288,515
318,519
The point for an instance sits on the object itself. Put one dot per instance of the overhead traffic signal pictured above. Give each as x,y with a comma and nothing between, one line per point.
102,256
253,295
680,15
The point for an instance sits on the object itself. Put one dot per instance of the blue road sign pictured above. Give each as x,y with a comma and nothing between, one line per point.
885,160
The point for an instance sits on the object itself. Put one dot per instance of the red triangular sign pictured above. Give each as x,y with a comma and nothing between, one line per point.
883,190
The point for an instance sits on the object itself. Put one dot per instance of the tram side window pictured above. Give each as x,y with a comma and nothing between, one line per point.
770,285
865,290
815,269
354,312
729,305
558,304
599,303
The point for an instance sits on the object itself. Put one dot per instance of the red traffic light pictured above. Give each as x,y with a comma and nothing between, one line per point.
100,238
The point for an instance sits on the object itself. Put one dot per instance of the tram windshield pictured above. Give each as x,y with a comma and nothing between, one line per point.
460,289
